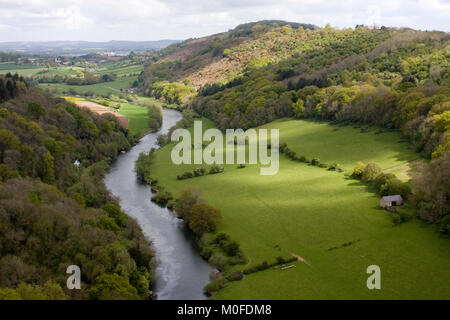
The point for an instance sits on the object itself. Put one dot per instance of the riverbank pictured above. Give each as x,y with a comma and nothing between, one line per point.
181,272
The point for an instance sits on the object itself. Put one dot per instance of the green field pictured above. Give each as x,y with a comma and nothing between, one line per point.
306,210
138,116
98,88
23,70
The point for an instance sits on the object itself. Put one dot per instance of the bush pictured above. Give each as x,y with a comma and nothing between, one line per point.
204,218
235,276
162,198
242,166
333,167
215,285
358,171
199,172
218,260
230,247
315,162
445,225
216,169
396,218
186,175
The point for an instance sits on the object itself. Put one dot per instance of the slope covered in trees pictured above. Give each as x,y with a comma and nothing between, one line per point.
55,210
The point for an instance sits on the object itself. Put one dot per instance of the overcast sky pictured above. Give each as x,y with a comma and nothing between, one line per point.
103,20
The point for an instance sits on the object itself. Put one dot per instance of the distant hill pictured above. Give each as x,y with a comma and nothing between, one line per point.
82,47
210,59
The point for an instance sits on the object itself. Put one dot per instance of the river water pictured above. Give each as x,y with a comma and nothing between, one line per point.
181,273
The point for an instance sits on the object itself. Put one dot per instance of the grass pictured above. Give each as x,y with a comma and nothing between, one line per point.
344,145
98,88
307,210
138,116
23,70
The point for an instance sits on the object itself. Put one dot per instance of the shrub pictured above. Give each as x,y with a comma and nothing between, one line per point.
333,167
186,175
235,276
230,247
204,218
199,172
215,285
218,260
162,198
358,171
396,218
445,225
216,169
242,166
315,162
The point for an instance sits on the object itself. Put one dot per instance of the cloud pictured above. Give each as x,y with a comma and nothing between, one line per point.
102,20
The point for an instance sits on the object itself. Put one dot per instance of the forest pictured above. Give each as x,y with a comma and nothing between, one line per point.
55,210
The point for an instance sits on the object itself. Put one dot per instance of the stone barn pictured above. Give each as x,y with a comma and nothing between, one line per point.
391,201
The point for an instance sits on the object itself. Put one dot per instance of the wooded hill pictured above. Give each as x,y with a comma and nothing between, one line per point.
55,210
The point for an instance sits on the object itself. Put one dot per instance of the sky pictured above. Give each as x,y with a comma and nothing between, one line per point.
139,20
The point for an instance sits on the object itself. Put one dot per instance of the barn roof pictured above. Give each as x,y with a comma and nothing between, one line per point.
393,198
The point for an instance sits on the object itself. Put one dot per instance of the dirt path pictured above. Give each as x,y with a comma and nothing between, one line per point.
99,109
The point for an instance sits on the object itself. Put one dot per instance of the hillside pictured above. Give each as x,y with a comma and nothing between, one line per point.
55,210
207,60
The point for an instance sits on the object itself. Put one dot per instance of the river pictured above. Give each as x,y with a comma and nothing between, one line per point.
181,273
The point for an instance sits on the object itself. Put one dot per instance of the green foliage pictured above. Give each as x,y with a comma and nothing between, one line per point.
9,294
113,287
63,214
370,172
142,167
36,110
187,200
204,218
115,213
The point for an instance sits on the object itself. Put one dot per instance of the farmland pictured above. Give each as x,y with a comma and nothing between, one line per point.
307,211
104,88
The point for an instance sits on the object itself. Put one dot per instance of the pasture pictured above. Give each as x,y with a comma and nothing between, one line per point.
138,115
306,211
23,70
103,88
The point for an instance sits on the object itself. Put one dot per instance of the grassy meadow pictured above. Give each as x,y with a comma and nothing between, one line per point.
103,88
138,115
21,69
306,210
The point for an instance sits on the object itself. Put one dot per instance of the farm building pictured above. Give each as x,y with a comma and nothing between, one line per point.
391,201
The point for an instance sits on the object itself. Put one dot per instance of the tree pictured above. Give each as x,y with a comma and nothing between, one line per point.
48,174
204,218
371,171
298,108
36,110
113,287
8,140
9,294
188,199
115,213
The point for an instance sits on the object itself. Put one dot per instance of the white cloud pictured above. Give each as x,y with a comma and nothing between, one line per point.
180,19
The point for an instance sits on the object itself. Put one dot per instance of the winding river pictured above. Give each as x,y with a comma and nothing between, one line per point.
181,273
